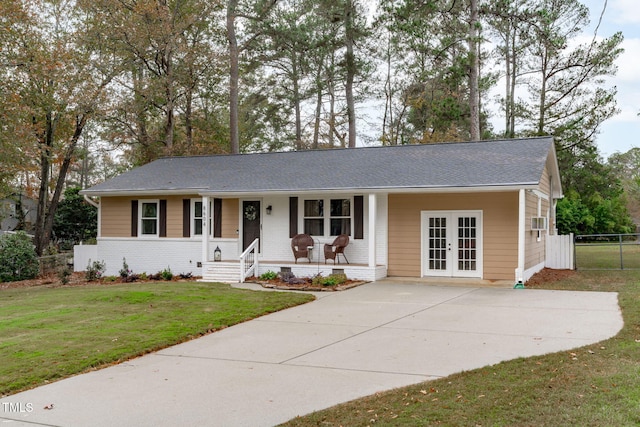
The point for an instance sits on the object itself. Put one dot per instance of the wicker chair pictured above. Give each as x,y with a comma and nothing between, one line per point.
300,245
331,251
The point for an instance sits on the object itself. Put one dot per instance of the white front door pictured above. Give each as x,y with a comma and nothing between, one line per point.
452,243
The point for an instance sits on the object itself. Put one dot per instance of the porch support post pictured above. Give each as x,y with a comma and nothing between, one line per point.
521,235
372,229
206,232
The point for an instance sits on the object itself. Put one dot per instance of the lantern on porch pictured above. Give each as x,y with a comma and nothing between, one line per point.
217,254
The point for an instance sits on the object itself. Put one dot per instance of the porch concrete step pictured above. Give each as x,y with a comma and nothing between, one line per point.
221,272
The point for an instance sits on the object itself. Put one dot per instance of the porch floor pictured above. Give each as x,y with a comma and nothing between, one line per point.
290,263
229,270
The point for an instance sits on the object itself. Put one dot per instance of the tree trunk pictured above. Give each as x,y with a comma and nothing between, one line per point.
508,102
512,88
45,142
296,101
332,103
388,137
234,77
316,122
62,177
543,94
188,124
351,71
474,73
170,122
142,134
167,65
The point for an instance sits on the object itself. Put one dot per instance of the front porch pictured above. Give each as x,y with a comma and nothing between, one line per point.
264,234
232,271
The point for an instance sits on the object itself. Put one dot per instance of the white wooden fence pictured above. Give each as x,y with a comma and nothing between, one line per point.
82,254
559,252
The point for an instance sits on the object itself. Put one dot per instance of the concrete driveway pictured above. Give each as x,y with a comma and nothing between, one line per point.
340,347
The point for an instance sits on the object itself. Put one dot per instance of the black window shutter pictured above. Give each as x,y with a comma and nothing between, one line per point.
186,217
358,217
217,217
293,216
134,218
163,218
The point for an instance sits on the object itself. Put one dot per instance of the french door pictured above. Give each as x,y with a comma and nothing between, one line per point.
452,243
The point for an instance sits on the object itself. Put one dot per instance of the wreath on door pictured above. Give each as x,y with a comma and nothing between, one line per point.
250,213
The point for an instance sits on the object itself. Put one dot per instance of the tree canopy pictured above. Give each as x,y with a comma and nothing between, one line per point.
98,86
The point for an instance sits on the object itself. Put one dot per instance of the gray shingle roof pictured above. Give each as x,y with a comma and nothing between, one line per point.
472,164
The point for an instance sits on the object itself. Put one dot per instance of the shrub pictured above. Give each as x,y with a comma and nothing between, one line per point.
269,275
339,278
166,274
95,270
124,272
75,219
18,258
331,280
290,278
286,276
63,275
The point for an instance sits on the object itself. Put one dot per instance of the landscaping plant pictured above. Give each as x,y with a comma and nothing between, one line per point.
18,258
95,270
269,275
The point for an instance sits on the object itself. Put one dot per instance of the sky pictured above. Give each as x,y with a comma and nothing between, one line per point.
622,132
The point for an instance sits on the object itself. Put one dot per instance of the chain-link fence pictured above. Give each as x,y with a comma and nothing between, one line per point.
607,251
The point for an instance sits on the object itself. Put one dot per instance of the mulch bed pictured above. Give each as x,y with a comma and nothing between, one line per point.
547,275
77,279
306,286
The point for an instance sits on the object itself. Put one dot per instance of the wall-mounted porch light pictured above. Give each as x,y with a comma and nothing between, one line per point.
269,209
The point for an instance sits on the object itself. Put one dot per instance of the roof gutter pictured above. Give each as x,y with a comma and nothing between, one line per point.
378,190
147,192
91,202
343,190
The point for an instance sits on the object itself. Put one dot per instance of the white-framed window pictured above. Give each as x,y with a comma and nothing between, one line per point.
314,217
149,214
339,217
198,218
318,221
197,215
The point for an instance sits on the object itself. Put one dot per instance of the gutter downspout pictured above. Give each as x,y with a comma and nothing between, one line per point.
521,237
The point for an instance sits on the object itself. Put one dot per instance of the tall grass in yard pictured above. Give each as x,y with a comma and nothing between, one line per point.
50,333
596,385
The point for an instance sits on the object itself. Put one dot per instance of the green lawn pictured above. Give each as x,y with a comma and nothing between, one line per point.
51,333
597,385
